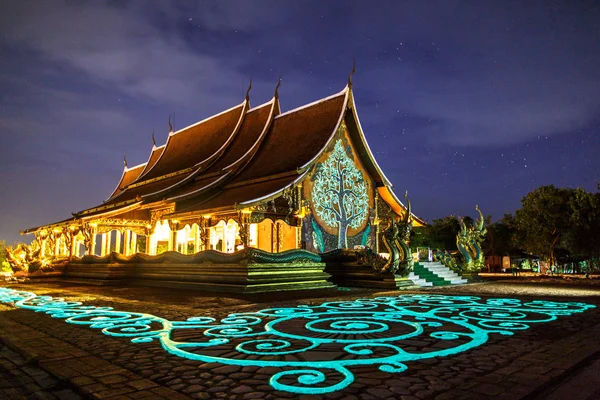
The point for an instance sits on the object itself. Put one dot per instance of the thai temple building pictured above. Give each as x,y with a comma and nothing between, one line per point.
248,177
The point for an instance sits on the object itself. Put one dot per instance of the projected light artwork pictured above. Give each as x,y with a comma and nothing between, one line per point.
316,346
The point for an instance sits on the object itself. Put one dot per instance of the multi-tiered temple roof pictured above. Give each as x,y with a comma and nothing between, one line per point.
240,157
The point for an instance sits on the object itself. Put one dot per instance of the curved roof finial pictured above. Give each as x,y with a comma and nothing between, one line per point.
170,126
352,73
153,139
408,212
125,159
276,95
248,91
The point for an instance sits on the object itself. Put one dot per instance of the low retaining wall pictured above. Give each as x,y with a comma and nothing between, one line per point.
246,271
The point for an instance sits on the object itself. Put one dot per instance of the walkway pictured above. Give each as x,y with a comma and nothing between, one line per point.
79,361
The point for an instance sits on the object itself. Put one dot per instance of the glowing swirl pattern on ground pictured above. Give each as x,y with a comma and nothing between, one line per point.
316,346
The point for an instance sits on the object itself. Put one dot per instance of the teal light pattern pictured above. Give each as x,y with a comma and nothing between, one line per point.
339,194
317,346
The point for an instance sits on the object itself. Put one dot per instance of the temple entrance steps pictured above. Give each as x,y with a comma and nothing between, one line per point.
434,274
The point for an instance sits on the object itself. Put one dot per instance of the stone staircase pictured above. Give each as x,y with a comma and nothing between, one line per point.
434,274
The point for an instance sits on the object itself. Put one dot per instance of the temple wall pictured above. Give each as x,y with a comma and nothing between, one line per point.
323,229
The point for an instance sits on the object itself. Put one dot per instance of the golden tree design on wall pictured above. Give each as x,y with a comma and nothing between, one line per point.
339,193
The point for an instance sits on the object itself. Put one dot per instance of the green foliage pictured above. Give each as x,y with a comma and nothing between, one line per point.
544,220
441,234
559,222
4,266
583,240
500,237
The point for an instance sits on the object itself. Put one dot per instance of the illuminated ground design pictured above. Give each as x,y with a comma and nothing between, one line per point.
317,346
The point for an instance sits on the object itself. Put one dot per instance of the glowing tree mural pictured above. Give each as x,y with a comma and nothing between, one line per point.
339,193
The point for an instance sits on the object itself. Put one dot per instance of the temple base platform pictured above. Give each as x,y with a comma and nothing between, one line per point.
347,270
246,271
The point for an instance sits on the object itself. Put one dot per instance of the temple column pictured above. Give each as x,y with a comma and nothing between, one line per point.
173,236
74,242
127,242
92,249
133,243
173,240
118,242
58,246
103,245
206,237
197,239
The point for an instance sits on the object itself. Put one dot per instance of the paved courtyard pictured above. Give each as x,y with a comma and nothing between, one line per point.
499,340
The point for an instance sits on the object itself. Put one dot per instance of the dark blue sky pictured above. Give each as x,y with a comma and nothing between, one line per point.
463,102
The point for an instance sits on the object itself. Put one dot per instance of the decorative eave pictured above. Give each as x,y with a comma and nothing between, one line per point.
300,172
189,214
128,205
205,164
107,207
244,105
120,186
54,225
310,163
149,163
275,194
232,170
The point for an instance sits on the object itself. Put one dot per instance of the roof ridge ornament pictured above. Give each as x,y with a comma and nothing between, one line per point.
153,139
125,159
170,126
248,91
352,72
276,95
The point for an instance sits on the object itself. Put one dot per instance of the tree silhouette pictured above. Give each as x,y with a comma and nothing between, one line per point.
339,193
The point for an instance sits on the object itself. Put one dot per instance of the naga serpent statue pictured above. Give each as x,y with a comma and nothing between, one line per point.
395,239
23,257
446,258
468,242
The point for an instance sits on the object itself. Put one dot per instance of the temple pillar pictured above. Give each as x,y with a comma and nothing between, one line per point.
118,235
127,242
103,245
197,239
173,235
74,242
57,246
133,243
173,240
92,248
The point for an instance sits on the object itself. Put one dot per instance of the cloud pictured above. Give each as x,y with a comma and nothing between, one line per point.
116,46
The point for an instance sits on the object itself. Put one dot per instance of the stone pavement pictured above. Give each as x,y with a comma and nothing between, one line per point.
20,379
42,356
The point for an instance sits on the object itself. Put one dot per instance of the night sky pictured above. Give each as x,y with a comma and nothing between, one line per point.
462,102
